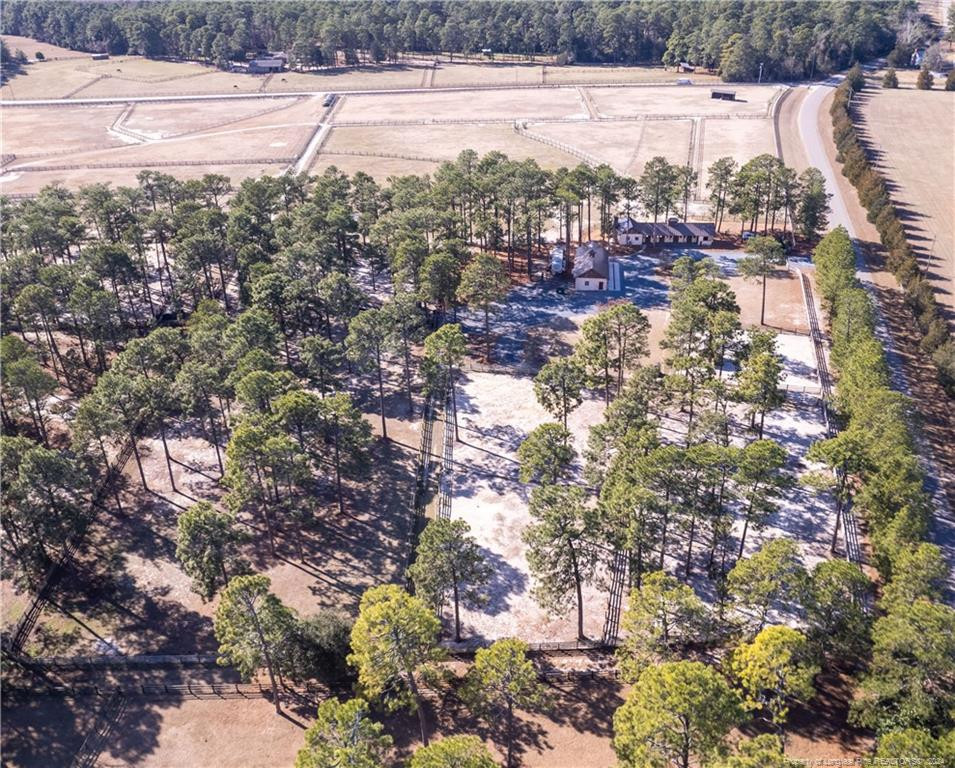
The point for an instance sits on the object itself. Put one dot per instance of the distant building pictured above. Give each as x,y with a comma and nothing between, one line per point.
591,267
264,65
685,66
630,232
724,95
100,56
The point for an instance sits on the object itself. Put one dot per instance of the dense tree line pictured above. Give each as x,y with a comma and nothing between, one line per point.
788,40
874,195
906,691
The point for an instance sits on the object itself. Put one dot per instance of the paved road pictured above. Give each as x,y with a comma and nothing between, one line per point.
943,523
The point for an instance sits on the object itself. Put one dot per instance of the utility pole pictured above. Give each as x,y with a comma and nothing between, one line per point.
760,72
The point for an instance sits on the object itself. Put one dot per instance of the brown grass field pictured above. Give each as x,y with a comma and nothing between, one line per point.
440,142
681,100
911,132
464,105
624,145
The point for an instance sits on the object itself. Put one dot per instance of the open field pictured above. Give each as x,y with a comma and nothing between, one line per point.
30,47
159,121
438,142
112,142
462,105
246,137
625,146
910,132
685,100
68,72
14,182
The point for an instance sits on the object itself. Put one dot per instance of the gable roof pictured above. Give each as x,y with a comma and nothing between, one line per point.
659,229
591,260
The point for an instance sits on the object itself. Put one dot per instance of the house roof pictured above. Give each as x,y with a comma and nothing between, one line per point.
591,260
654,229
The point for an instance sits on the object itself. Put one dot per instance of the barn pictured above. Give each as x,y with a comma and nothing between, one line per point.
591,267
266,65
630,232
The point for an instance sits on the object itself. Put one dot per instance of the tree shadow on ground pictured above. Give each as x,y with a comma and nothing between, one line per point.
50,730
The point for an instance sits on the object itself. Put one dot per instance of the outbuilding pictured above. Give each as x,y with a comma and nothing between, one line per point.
591,267
724,95
266,65
630,232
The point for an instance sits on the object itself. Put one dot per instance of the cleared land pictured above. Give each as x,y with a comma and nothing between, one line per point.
507,104
438,142
31,47
497,410
682,100
385,134
624,145
238,138
911,133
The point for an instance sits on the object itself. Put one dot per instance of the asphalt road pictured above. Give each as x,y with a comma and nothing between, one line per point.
943,523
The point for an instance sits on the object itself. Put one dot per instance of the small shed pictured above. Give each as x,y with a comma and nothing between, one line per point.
100,57
723,94
591,267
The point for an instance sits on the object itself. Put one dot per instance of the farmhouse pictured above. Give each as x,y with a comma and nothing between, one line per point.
591,267
630,232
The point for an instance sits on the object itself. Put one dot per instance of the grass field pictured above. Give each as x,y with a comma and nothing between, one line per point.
912,131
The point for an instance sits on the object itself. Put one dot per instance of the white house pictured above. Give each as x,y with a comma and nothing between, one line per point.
591,267
630,232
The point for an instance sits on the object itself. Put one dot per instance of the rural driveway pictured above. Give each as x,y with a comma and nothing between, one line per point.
943,524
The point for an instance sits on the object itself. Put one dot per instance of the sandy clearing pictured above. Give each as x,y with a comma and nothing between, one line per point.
496,412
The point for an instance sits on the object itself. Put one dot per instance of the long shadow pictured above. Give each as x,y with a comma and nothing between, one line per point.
505,581
40,731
